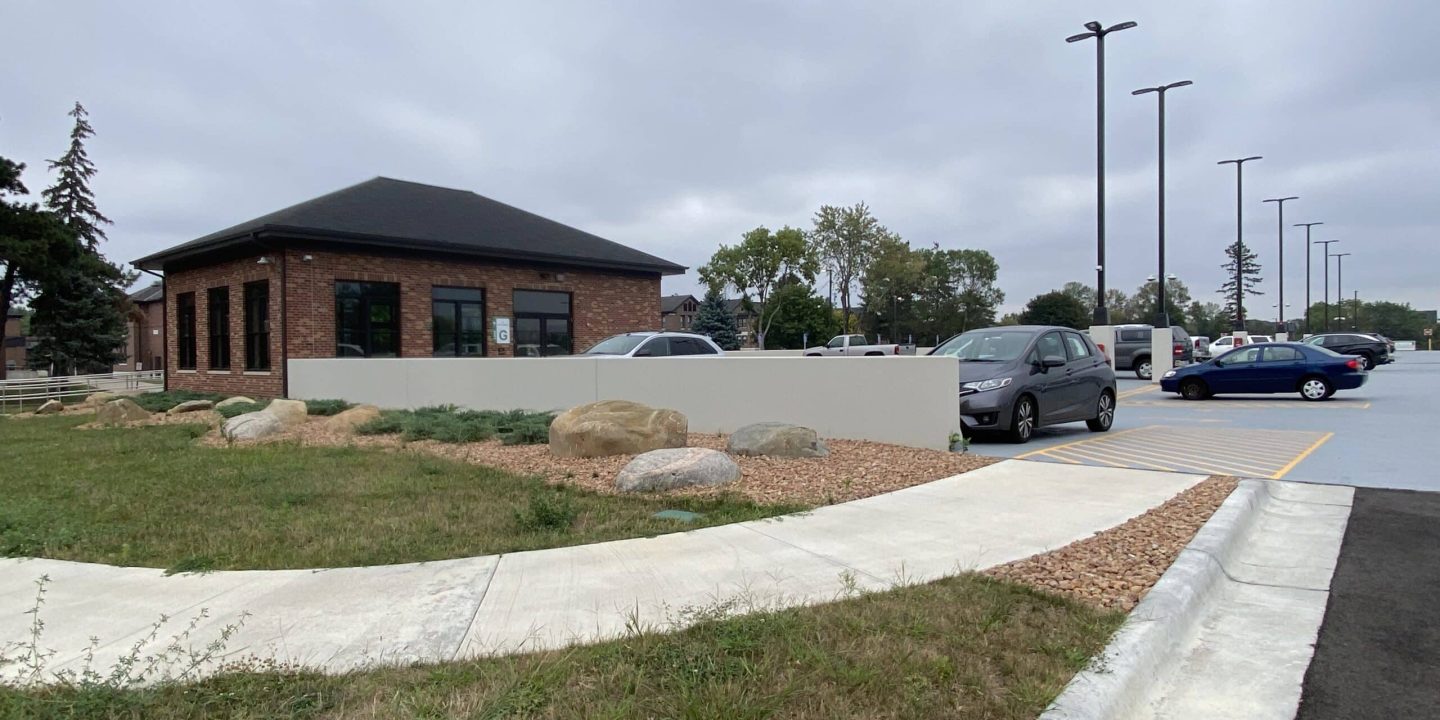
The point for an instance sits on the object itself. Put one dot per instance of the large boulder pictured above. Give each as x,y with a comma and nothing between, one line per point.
50,407
119,412
96,399
227,402
190,406
677,468
290,412
252,426
616,427
347,420
777,439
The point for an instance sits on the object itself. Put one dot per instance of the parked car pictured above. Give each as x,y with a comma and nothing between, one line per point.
1389,344
1016,378
1228,342
1311,370
1132,348
856,346
654,344
1371,350
1201,347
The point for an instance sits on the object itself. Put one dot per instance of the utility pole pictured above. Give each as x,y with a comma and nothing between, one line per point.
1325,303
1162,316
1309,329
1239,326
1280,230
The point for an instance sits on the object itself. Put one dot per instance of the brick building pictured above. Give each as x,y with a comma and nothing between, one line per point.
677,312
389,268
144,347
16,345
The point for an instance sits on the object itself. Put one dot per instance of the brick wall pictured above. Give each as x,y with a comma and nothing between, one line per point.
603,304
144,337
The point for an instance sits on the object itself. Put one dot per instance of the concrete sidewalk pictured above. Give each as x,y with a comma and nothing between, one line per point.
341,619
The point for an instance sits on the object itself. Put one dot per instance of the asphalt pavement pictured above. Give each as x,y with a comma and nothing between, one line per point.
1378,655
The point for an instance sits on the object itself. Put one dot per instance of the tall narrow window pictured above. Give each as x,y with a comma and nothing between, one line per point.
185,330
257,325
458,320
218,311
542,323
367,319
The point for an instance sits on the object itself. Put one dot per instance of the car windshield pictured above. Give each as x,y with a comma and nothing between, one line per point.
616,345
986,345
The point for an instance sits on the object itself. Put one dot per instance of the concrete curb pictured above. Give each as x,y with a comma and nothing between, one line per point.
1123,679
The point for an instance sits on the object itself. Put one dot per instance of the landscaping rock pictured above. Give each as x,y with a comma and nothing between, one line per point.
50,408
677,468
99,398
252,426
119,412
777,440
227,402
616,427
347,420
190,406
289,412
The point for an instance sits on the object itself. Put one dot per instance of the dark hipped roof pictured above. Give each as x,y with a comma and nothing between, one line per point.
672,303
399,214
151,293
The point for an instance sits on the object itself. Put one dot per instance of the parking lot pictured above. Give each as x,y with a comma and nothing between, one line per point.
1376,436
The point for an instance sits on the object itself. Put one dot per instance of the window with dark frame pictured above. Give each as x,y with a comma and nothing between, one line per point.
257,325
458,321
367,319
542,323
217,309
185,330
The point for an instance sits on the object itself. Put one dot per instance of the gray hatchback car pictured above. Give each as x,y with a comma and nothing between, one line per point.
1014,379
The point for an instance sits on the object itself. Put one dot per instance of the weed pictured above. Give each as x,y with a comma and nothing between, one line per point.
326,407
549,510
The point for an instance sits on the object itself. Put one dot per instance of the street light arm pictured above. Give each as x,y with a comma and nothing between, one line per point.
1174,85
1081,36
1121,26
1142,91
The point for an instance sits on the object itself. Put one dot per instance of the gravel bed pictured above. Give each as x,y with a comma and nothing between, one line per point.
855,469
1114,568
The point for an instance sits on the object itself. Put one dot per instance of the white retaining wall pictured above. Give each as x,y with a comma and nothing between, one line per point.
903,400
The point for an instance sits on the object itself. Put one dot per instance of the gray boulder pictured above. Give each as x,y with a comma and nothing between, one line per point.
190,406
290,412
616,427
674,468
347,420
50,407
227,402
119,412
97,399
252,426
777,440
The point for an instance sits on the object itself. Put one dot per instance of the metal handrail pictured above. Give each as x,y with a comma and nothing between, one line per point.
26,390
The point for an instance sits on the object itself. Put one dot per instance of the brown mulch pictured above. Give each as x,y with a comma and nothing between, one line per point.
855,469
1115,568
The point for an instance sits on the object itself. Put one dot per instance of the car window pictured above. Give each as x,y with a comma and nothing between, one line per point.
1178,333
1134,335
836,342
1077,347
1225,341
989,345
1280,353
700,347
857,340
1243,355
1314,340
1049,344
657,347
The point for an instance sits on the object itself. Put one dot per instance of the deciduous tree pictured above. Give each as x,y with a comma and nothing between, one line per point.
1056,308
845,240
756,265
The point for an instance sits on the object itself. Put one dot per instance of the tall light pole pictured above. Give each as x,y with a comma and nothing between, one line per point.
1307,227
1325,303
1162,317
1239,164
1340,279
1098,31
1280,234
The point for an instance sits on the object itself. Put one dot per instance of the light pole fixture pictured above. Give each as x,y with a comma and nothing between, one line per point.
1098,31
1280,235
1162,317
1239,164
1325,302
1340,279
1307,227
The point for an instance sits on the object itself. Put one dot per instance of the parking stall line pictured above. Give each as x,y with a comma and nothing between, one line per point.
1133,461
1250,445
1153,454
1074,442
1282,472
1248,453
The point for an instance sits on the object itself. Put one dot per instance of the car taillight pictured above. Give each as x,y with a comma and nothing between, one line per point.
1179,349
897,349
1102,351
1352,364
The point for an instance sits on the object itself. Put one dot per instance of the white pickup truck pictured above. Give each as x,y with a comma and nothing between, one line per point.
856,346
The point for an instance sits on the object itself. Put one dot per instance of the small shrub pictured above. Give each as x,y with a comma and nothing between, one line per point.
230,411
389,423
548,511
162,401
326,407
448,424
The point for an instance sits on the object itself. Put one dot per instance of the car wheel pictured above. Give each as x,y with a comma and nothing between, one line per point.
1194,389
1022,422
1316,388
1143,369
1366,362
1104,413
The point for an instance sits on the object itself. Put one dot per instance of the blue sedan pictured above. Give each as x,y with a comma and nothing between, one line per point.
1314,372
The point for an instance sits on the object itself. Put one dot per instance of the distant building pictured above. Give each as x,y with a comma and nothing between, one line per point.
16,344
677,312
744,319
1428,316
144,347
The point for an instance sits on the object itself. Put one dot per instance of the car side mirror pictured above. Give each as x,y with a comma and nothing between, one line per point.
1053,361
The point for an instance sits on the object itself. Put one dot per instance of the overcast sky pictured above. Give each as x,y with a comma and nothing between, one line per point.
675,126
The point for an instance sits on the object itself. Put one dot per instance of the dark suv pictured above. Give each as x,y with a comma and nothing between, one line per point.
1132,348
1372,351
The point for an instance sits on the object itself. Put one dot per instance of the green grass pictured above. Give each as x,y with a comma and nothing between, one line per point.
150,496
965,647
446,423
162,401
326,407
230,411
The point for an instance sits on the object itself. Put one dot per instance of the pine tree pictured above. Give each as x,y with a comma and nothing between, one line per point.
715,320
70,196
1249,274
